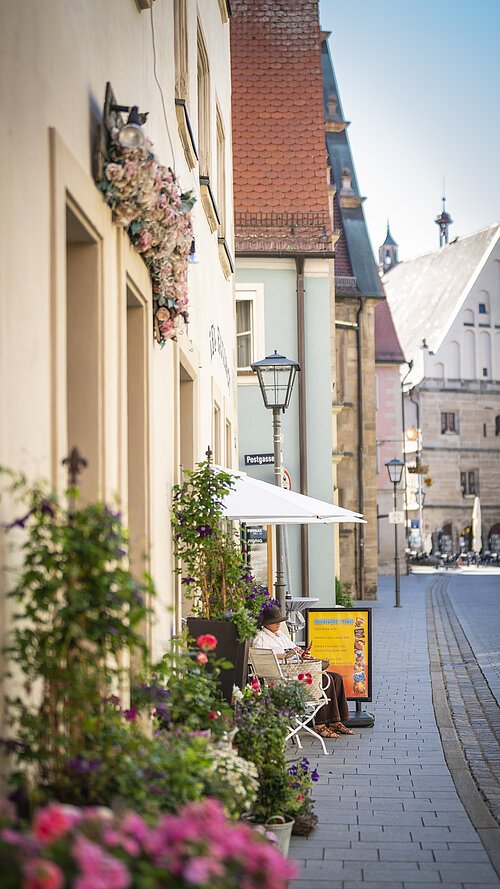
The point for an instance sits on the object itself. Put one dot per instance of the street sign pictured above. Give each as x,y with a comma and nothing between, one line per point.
286,481
396,517
258,459
256,534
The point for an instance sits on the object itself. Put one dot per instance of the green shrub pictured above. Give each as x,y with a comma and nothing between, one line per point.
343,594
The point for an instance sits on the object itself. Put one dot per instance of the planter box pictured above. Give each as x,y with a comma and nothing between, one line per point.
228,648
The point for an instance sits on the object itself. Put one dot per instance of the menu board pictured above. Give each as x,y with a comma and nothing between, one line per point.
343,637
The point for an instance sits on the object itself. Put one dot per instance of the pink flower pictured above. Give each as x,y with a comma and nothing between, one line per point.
309,681
40,874
53,822
131,715
214,714
206,642
199,871
113,172
301,676
98,869
145,240
201,657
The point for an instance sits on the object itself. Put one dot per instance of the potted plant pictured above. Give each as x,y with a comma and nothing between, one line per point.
301,778
225,600
262,715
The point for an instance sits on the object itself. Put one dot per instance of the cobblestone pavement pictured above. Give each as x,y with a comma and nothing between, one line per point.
473,707
479,616
389,814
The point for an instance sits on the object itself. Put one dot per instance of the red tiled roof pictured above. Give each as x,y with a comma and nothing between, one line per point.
278,124
387,346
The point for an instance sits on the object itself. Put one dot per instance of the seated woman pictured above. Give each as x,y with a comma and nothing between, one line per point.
329,720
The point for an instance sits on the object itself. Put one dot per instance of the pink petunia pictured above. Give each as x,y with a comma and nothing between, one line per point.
207,642
201,658
53,822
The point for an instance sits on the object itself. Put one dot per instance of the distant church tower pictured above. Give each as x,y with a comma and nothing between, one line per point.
388,252
444,221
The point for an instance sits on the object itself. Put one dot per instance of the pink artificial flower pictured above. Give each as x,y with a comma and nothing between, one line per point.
201,657
207,642
145,240
54,821
113,172
41,874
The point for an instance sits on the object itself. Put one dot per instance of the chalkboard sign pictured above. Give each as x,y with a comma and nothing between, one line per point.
343,636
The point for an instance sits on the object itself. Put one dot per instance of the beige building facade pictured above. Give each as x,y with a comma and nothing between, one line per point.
79,365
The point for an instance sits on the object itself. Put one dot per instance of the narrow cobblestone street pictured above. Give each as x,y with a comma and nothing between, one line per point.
389,812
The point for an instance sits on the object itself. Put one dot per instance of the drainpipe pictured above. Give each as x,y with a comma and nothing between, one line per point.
301,347
361,493
410,366
419,476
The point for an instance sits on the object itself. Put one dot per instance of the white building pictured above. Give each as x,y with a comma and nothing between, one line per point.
446,310
78,361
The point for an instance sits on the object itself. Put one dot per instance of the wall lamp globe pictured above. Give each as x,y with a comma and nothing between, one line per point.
131,134
193,256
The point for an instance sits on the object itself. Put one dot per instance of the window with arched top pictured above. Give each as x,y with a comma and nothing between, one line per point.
483,306
469,318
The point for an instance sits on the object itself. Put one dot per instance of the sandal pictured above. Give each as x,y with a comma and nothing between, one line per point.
324,731
341,728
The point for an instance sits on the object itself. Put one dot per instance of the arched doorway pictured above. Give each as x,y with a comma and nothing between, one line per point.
494,539
466,539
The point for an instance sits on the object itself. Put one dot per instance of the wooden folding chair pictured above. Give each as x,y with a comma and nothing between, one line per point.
266,666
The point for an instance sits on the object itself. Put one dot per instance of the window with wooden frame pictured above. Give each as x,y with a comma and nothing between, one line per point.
449,422
469,482
203,79
221,173
181,50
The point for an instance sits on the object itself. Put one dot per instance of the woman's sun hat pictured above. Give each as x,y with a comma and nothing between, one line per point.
272,615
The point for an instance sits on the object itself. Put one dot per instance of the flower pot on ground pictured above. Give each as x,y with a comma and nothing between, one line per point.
281,828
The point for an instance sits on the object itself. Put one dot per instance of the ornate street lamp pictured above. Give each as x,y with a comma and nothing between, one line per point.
395,470
276,375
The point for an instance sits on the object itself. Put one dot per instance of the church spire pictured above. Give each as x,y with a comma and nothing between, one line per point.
388,252
444,221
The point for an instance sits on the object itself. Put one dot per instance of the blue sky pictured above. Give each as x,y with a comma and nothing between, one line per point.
420,82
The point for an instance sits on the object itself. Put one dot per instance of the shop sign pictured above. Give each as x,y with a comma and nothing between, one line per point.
342,636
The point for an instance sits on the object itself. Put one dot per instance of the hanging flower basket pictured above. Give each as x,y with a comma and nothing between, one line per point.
147,201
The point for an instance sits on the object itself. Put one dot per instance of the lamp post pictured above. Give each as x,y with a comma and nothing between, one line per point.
395,470
276,375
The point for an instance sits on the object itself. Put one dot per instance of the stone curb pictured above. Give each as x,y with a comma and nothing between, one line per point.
472,801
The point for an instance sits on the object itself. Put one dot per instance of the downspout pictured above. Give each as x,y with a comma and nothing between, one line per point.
361,442
301,347
419,462
410,366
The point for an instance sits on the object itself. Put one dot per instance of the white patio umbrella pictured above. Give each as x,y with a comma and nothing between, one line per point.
259,503
477,540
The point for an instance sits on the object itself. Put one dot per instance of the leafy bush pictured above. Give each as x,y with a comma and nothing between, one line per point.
218,583
263,721
343,594
78,609
182,688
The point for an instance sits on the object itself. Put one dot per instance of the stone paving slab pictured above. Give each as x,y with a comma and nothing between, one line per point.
389,814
